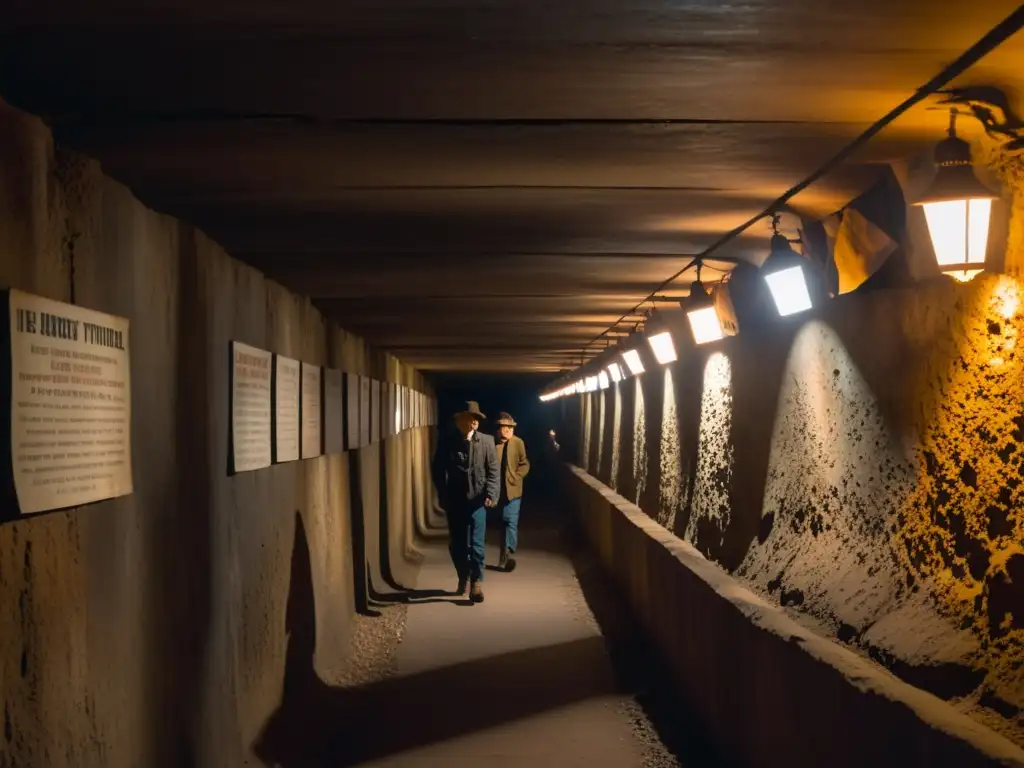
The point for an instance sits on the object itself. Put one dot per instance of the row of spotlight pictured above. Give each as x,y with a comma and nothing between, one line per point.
957,210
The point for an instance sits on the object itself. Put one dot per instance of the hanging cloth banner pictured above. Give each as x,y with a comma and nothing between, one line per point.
817,242
722,299
867,232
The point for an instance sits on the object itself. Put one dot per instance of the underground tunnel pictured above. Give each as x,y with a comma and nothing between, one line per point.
511,383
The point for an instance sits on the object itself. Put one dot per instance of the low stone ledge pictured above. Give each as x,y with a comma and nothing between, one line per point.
769,691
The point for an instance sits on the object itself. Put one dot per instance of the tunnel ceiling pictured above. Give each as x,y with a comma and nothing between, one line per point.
484,184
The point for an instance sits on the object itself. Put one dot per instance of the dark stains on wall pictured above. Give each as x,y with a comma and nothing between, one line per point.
862,466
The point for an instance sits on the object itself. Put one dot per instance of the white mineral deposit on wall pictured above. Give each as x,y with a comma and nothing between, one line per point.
672,487
616,433
639,441
835,479
714,453
587,424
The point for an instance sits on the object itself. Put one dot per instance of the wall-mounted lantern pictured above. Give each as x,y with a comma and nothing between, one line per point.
615,370
702,314
660,339
957,208
786,273
629,349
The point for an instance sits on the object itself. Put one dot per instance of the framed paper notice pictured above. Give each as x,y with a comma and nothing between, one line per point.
364,411
389,415
353,419
334,436
374,411
312,411
250,407
69,392
398,414
286,409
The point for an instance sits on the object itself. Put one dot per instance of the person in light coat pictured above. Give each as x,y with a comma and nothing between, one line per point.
514,468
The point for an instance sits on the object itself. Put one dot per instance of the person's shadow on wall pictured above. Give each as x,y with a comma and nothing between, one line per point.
285,728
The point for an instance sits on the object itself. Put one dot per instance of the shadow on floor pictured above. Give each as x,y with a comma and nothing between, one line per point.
320,725
639,670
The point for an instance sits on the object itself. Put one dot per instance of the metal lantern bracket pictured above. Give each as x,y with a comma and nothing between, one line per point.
990,106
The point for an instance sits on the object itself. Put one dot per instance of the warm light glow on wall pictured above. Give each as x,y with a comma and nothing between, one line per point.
1007,299
633,361
959,233
705,325
789,290
663,348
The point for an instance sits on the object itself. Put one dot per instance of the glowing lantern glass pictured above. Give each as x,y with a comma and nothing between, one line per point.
633,361
663,347
602,380
616,372
957,208
786,276
703,317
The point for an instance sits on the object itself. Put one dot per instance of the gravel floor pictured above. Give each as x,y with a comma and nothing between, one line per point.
659,719
373,645
646,706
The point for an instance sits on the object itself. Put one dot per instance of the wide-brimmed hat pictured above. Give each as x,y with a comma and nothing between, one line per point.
505,420
472,408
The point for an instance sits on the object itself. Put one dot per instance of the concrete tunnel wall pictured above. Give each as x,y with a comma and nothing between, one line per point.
859,467
150,630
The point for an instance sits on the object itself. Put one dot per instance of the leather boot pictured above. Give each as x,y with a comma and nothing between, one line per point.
476,592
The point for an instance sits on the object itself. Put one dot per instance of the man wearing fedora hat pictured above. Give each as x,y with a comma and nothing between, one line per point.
465,472
514,467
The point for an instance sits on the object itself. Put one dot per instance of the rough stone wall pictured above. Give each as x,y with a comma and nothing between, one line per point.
862,466
150,630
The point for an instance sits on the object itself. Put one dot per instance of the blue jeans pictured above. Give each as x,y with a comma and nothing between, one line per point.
467,528
510,519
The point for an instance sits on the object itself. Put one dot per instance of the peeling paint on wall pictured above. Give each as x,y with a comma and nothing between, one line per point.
892,467
616,437
639,441
710,514
673,483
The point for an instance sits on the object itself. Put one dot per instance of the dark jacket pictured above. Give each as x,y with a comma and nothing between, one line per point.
516,466
456,487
